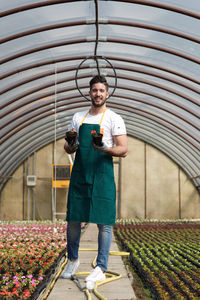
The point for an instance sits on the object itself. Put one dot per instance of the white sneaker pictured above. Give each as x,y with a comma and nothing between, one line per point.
70,269
94,276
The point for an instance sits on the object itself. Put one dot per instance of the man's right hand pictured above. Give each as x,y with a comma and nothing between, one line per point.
71,148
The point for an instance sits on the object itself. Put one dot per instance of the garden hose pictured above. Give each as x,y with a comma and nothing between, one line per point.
113,276
50,287
110,274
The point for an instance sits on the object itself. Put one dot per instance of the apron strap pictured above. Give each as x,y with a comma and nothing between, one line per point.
84,118
102,117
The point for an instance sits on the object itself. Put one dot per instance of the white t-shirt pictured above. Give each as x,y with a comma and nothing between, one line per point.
112,124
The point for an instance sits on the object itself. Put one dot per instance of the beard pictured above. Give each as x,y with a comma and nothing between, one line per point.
103,101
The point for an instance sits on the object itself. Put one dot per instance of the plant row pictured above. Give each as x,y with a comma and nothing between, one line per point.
166,257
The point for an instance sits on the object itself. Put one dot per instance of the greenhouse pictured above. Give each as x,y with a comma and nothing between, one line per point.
149,54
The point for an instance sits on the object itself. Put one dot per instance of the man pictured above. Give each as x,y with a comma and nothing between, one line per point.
92,191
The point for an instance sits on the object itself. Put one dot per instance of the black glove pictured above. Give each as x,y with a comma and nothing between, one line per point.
102,148
73,147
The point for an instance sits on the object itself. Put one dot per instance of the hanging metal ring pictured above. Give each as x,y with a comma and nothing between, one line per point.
95,57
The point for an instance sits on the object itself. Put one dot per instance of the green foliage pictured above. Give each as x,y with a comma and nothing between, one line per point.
165,255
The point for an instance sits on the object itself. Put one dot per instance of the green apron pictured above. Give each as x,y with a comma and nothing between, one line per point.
92,191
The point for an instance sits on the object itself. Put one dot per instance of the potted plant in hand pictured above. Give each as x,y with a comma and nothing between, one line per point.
97,138
71,136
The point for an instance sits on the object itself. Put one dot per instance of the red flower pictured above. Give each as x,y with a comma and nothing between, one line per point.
26,293
93,131
4,292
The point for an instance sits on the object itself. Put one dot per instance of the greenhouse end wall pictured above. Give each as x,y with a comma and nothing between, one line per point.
152,187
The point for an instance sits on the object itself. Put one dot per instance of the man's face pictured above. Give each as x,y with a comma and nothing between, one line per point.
98,94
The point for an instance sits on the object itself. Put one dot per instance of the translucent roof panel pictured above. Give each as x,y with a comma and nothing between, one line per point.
148,50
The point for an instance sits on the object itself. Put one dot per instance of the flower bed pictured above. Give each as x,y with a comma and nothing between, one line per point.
165,255
29,252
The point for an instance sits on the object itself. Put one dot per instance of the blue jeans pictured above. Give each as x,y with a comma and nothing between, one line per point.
104,242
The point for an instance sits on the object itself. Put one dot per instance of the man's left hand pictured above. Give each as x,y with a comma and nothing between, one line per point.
102,148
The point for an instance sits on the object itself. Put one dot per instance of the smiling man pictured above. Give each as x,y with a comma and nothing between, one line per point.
92,192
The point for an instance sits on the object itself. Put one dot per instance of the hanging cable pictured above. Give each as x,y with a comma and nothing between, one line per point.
55,137
97,35
96,57
55,111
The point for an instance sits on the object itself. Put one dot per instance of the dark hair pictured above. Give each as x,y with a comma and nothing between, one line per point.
97,79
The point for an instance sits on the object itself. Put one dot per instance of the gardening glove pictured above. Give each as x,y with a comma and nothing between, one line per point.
73,147
102,148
